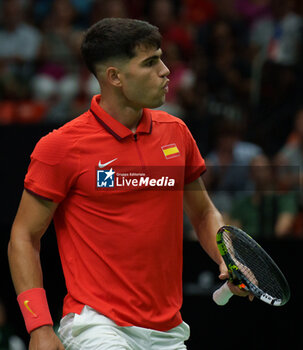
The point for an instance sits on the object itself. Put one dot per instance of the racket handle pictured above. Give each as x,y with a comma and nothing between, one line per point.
222,295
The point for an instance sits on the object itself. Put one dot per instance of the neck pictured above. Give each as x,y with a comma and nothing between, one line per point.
124,113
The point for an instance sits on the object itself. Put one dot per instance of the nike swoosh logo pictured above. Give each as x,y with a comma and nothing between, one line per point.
28,308
105,164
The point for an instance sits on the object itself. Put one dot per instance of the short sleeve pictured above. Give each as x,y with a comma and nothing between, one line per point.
53,168
195,164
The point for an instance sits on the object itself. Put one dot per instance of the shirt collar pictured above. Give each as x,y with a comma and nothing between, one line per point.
118,130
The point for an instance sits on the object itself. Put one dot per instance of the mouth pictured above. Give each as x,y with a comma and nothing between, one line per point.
165,86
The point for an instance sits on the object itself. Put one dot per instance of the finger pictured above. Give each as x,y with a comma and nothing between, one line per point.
238,291
223,272
223,276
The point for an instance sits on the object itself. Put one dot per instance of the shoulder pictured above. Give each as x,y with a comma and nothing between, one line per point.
170,125
164,118
53,147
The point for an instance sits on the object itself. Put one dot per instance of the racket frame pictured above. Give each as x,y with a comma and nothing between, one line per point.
238,278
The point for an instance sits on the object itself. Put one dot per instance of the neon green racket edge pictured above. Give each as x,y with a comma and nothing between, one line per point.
250,267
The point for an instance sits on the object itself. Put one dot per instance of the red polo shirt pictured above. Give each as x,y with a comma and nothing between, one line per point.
119,221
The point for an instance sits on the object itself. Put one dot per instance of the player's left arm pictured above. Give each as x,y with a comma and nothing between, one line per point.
204,216
206,220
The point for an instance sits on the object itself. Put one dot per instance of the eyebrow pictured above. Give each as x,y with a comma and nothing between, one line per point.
152,58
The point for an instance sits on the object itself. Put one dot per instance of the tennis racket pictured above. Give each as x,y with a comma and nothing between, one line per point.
250,267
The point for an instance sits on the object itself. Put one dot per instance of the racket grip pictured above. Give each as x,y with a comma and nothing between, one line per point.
222,295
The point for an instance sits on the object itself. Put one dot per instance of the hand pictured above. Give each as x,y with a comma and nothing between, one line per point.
234,289
44,338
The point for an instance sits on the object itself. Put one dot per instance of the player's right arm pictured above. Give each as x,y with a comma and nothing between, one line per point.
33,218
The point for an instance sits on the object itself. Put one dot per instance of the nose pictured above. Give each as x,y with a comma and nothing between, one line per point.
164,71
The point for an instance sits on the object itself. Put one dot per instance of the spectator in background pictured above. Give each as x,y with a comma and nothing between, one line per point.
163,14
42,8
289,162
275,45
228,75
83,9
222,84
278,37
108,9
228,166
19,45
58,75
275,48
264,213
198,12
291,154
8,339
117,9
253,10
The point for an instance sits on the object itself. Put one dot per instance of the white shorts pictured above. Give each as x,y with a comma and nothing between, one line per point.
91,330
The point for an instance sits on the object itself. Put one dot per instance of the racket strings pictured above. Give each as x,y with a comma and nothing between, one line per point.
261,272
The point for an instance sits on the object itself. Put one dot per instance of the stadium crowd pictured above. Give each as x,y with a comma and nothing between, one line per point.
236,80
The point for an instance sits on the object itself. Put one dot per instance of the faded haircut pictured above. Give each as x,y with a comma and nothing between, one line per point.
113,38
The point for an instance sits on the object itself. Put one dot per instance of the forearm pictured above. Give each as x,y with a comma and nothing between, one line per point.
24,261
31,222
206,229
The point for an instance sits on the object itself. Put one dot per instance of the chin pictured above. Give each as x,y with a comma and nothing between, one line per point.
156,104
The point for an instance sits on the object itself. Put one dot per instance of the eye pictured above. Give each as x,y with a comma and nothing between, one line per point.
150,63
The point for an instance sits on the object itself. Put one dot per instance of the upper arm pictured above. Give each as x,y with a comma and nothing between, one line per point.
33,217
196,201
54,166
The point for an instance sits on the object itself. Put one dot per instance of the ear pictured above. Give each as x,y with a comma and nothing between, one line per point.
113,76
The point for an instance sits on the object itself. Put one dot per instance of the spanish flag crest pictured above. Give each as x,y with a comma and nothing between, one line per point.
170,151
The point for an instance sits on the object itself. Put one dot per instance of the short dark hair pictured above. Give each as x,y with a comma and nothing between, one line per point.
117,38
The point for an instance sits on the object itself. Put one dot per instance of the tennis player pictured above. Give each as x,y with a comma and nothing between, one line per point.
114,180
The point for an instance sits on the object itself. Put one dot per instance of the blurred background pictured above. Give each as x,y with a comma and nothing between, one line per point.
236,80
